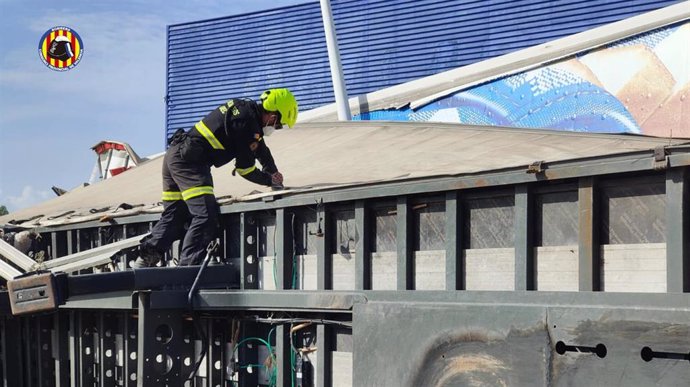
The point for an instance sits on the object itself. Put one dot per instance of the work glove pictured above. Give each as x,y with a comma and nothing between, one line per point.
277,179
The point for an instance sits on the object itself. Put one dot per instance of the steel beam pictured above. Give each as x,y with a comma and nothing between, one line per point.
249,252
283,356
11,341
677,231
297,300
60,347
285,249
93,257
324,258
455,279
524,250
324,356
589,271
7,271
15,256
405,245
363,222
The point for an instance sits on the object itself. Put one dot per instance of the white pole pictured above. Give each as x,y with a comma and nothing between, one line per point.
334,60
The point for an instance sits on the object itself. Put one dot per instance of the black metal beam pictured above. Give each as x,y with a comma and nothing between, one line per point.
324,259
285,248
363,222
324,358
677,231
249,252
405,243
524,249
589,270
455,279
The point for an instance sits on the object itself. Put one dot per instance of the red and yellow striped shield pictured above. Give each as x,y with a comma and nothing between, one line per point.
60,48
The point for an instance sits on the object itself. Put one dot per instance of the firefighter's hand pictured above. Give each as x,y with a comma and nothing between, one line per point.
277,179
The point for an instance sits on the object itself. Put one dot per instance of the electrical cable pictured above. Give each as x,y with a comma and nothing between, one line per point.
274,320
274,361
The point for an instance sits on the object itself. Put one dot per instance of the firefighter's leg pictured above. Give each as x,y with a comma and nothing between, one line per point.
202,229
196,186
170,226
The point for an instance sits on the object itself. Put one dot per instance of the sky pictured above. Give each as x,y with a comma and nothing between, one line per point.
49,120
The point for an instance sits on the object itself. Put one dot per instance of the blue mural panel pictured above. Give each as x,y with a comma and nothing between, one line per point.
636,85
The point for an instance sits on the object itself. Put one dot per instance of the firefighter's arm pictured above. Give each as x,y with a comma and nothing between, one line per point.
263,154
245,167
255,175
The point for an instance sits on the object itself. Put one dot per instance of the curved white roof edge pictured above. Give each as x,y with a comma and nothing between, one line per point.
422,91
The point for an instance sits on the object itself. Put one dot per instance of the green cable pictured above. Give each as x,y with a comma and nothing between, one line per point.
270,351
294,269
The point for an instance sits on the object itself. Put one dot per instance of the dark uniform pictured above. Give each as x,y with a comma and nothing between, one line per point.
232,131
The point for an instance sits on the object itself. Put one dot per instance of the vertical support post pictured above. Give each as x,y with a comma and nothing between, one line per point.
53,245
61,352
339,88
75,347
324,261
12,366
69,241
248,356
285,249
524,252
588,243
216,340
363,247
405,245
143,370
677,232
323,357
108,349
249,252
130,343
283,355
455,278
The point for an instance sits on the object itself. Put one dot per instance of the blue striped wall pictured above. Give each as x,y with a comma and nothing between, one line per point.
382,43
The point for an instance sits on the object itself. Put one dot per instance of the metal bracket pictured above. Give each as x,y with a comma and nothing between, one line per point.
535,167
660,162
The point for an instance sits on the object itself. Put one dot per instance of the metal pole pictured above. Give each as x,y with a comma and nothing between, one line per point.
334,60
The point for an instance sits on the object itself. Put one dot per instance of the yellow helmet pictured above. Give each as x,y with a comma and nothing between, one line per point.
282,101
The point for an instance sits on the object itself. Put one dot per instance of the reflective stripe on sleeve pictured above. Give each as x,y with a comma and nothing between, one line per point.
197,191
171,196
208,135
245,171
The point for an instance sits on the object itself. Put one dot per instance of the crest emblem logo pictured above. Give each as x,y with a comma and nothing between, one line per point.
60,48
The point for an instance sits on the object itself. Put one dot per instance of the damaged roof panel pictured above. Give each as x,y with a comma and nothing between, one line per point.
329,156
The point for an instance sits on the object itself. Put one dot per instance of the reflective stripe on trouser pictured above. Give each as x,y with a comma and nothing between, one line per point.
169,196
197,191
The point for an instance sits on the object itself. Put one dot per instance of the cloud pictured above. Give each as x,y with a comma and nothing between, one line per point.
28,197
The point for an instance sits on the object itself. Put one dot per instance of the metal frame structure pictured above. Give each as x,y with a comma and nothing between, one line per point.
148,335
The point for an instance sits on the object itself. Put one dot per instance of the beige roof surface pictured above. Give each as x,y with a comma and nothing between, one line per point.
319,156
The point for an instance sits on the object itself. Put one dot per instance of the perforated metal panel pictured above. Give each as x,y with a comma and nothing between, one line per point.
382,43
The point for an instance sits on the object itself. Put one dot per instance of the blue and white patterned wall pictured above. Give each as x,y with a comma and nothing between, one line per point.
382,43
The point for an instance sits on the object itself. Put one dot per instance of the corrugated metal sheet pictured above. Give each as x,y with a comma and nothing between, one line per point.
382,43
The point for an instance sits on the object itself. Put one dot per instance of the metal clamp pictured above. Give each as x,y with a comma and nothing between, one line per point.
535,167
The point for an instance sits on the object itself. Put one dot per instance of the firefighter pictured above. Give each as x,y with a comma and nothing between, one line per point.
234,130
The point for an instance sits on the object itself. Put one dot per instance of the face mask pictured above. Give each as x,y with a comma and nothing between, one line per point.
268,130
